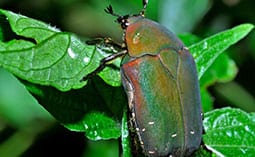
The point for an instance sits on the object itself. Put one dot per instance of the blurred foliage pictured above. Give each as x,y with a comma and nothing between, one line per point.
22,120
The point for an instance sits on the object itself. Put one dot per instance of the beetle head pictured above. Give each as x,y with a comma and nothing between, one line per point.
124,20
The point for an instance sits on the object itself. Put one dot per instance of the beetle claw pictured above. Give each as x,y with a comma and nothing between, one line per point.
145,2
109,10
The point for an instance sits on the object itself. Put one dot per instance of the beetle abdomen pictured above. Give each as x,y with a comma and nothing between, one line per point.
164,99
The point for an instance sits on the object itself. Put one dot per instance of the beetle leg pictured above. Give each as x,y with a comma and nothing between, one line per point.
106,42
103,63
145,2
109,41
95,41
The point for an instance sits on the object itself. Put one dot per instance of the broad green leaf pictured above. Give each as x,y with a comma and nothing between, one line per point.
207,50
44,55
230,132
71,106
64,106
111,74
97,126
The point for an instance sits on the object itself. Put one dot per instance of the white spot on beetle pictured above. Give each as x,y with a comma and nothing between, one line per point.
143,129
174,135
137,129
136,38
185,48
151,152
151,123
133,115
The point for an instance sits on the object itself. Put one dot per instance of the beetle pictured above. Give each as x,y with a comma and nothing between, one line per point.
160,79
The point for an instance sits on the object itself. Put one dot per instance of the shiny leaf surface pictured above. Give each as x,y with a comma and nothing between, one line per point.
206,51
229,132
44,55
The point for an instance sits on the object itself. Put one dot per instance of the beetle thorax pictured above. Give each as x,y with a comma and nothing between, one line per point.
144,36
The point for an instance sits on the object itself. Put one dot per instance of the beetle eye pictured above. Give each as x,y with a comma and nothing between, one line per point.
119,19
122,20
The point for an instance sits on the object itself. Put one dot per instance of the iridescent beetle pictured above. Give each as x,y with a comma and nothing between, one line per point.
160,79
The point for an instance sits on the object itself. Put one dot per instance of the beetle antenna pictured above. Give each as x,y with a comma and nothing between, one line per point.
145,2
109,10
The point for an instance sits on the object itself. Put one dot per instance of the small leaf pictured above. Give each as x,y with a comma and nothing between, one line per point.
230,132
125,137
97,126
207,50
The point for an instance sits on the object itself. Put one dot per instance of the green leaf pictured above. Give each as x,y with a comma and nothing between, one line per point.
97,126
230,132
43,55
206,51
125,137
64,106
111,74
71,106
97,105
